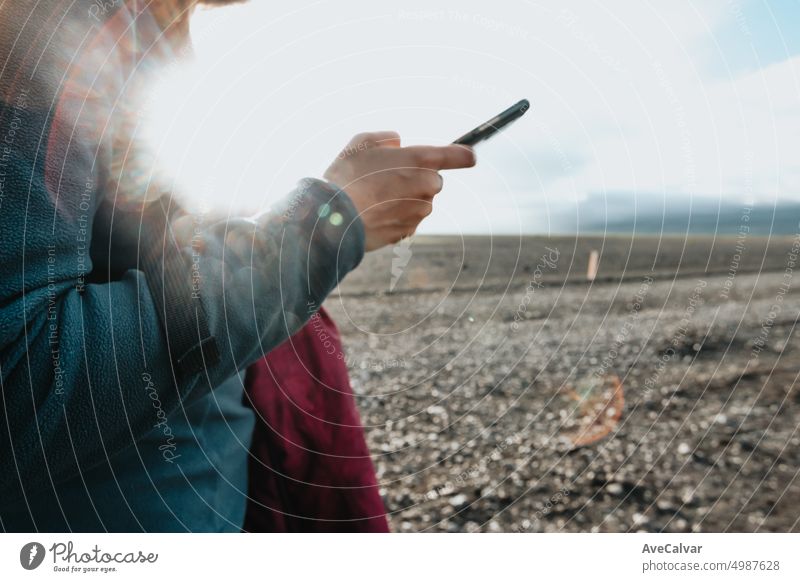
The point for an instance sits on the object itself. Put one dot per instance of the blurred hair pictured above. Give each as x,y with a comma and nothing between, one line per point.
174,15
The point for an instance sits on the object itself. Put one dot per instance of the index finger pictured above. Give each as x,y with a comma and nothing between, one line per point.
449,157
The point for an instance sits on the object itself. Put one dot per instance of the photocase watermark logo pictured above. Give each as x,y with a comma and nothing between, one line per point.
31,555
70,559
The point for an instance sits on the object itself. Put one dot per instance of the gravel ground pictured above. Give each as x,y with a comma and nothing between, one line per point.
475,383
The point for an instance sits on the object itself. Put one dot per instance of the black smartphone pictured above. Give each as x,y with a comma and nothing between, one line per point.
495,124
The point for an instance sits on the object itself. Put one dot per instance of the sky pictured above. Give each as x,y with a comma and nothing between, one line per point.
651,102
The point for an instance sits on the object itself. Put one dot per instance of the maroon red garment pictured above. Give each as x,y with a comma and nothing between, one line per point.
310,469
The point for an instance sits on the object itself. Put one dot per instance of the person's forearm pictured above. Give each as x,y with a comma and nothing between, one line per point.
263,278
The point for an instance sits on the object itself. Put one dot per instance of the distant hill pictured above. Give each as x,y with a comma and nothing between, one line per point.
624,213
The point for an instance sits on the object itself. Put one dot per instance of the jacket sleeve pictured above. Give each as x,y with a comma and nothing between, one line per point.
86,367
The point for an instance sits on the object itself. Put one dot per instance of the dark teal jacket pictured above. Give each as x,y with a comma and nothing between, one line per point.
102,428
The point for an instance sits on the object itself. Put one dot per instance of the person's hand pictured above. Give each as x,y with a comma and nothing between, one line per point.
392,187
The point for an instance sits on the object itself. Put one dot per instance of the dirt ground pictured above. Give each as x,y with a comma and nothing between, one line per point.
501,391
